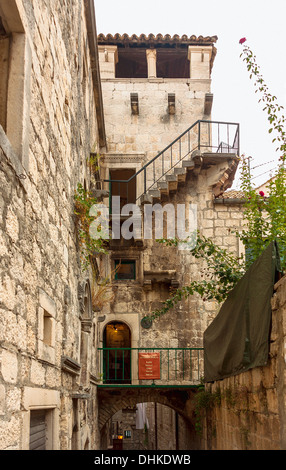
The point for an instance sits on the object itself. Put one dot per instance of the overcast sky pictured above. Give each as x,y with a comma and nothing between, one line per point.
261,22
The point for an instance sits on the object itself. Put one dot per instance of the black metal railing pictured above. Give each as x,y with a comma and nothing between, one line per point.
206,136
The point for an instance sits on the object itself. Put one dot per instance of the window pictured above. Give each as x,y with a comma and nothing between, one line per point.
173,63
171,103
48,328
134,103
132,63
38,430
127,434
15,66
125,269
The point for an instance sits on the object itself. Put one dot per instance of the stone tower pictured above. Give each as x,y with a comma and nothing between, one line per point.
155,89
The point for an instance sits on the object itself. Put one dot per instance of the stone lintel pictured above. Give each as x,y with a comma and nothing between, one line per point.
70,365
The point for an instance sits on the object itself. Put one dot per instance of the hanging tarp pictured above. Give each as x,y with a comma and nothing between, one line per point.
238,338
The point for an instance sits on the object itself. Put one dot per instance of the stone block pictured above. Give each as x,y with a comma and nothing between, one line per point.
9,366
12,225
10,433
37,373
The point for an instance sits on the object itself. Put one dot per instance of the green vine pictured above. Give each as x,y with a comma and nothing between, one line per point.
265,213
89,246
221,273
205,400
272,107
93,162
235,400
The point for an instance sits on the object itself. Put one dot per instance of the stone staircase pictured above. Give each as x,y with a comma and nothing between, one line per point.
194,163
190,160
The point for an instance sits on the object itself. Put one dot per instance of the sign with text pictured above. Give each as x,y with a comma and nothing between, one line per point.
149,366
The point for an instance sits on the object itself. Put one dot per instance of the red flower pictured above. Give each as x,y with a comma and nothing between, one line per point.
242,40
261,193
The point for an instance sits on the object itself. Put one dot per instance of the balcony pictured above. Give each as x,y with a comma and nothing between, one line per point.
147,367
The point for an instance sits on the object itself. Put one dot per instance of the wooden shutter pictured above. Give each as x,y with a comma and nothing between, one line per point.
38,430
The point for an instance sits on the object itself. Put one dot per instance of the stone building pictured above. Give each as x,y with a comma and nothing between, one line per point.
67,94
161,88
51,120
157,101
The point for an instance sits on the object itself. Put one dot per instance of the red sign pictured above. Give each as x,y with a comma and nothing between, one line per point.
149,366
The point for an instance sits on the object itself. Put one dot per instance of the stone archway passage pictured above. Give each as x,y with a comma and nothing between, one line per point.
112,399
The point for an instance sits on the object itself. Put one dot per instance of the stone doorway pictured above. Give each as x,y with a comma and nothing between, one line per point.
117,353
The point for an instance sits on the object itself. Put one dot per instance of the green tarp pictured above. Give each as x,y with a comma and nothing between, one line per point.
238,338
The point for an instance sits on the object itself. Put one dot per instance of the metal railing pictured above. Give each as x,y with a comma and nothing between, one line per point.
206,136
173,366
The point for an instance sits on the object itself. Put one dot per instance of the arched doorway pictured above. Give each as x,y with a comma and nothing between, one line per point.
117,353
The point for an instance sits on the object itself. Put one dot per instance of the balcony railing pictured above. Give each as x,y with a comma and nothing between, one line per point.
151,366
204,136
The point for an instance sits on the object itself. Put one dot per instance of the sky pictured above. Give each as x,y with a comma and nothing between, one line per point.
261,22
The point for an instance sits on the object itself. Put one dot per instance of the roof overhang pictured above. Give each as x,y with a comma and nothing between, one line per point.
152,41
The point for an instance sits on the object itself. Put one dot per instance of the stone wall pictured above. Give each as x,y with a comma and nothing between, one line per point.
249,411
46,327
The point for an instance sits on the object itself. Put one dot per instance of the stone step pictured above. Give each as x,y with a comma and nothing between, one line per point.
188,164
146,199
155,193
171,177
179,171
172,182
163,187
169,182
181,174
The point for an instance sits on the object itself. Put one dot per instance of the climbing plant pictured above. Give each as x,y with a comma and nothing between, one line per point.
93,162
265,213
85,211
221,272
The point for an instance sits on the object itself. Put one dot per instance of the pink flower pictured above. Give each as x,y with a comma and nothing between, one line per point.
242,40
261,193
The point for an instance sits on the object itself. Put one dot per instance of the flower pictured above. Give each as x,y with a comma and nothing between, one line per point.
242,40
261,193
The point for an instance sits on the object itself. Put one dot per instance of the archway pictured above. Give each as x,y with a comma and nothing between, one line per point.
148,426
117,353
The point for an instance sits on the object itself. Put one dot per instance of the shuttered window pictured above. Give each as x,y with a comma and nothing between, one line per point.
38,432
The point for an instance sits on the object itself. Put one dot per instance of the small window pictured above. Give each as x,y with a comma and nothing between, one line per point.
171,103
38,430
134,103
127,434
125,269
48,329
